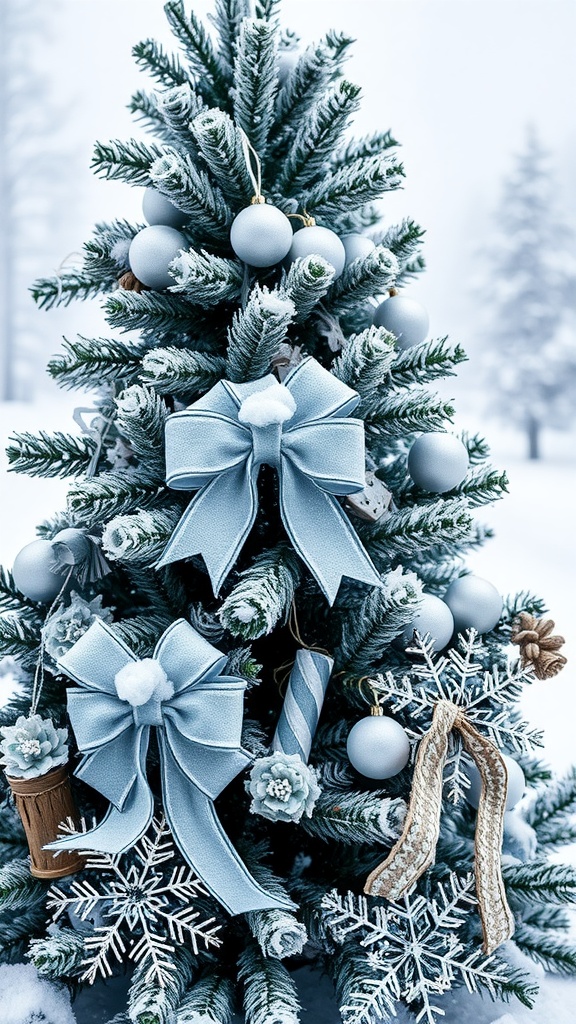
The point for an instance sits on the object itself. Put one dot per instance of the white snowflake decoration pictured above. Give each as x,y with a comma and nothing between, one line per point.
485,696
412,949
137,907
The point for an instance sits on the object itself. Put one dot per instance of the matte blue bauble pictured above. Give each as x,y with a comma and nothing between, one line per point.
434,618
405,318
159,210
32,572
378,747
475,604
151,252
516,783
437,462
357,247
318,241
261,235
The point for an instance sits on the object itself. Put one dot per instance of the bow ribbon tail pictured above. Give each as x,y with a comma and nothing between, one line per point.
321,533
121,826
204,844
495,914
205,529
415,850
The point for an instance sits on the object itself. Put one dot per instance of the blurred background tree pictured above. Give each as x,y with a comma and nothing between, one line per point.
530,341
35,171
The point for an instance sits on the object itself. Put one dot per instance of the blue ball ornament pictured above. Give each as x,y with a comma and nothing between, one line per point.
405,318
475,604
434,618
357,247
315,240
159,210
515,788
32,572
437,462
151,252
378,747
261,235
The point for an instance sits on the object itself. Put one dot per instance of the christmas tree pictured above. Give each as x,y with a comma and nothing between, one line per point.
532,279
291,713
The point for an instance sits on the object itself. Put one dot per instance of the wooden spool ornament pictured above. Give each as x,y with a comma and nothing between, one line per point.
43,803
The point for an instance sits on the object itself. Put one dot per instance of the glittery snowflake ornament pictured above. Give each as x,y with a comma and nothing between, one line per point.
147,909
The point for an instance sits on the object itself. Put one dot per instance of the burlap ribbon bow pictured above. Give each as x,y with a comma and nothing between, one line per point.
415,850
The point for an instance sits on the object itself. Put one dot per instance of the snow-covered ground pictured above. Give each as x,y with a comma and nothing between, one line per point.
534,549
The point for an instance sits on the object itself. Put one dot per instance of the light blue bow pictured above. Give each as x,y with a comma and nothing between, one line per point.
198,731
317,453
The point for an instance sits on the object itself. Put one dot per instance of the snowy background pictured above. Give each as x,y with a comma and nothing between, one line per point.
456,81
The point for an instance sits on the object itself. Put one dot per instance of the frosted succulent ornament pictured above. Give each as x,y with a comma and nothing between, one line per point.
32,747
67,625
282,787
405,318
314,240
151,253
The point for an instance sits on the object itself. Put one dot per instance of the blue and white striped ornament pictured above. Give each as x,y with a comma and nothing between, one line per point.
303,703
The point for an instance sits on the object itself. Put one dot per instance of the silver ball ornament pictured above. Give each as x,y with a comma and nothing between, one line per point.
378,747
475,604
159,210
318,241
405,318
434,618
32,572
437,462
261,235
514,791
357,247
151,252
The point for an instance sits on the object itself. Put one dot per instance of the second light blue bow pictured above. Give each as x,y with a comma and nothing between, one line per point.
301,428
197,713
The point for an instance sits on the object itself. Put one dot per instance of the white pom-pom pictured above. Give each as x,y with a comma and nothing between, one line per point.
139,680
274,404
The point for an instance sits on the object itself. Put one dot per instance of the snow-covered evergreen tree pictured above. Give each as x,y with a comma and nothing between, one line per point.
305,837
531,310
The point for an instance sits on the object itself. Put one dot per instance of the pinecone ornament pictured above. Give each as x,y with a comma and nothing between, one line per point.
538,647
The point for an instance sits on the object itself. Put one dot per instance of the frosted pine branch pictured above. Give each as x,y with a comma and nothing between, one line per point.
351,187
165,68
139,538
125,161
353,818
263,595
50,455
181,372
317,137
220,145
140,419
178,107
257,332
362,279
107,495
306,283
90,362
364,363
178,178
209,280
381,617
255,81
270,994
58,955
210,1001
200,56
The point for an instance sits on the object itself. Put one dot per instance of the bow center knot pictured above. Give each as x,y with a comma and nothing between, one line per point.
144,684
265,412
